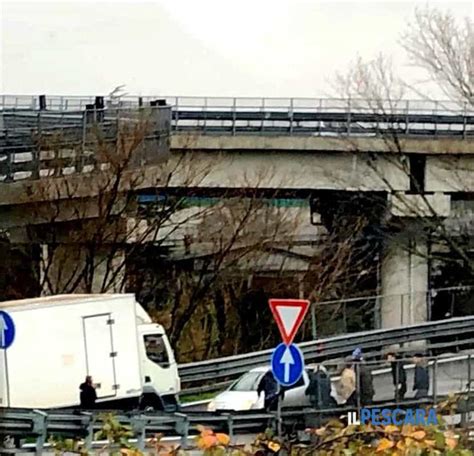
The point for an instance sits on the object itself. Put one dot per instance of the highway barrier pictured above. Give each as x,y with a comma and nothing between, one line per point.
205,375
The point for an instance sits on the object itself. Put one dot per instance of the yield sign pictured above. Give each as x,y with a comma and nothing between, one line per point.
288,314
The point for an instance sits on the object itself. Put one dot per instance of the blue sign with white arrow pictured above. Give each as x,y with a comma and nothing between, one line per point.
7,330
287,364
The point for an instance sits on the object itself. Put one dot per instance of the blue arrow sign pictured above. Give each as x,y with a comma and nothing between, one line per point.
7,330
287,364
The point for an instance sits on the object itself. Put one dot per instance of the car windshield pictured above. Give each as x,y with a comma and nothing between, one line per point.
248,382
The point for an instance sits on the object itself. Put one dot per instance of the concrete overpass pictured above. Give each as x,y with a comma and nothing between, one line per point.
417,155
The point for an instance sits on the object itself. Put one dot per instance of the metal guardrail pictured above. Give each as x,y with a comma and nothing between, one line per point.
41,424
286,116
330,104
221,369
447,375
42,143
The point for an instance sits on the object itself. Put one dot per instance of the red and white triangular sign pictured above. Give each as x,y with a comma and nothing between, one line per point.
288,314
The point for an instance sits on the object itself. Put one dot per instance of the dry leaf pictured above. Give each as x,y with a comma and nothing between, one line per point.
384,444
223,439
390,429
451,443
418,435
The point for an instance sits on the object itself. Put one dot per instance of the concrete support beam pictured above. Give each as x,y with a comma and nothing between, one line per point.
72,268
436,145
404,279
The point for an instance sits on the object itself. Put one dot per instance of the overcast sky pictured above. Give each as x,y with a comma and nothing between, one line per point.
197,47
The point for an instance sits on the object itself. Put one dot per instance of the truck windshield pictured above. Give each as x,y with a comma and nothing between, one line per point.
156,349
248,382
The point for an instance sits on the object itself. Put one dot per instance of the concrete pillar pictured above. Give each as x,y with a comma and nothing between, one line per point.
404,278
70,268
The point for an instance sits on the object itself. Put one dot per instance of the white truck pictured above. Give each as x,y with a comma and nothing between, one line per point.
59,340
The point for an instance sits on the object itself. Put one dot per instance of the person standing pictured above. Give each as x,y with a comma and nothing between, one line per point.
421,383
319,388
365,384
399,376
346,387
88,395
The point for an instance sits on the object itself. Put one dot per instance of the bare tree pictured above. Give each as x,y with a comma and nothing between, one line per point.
444,48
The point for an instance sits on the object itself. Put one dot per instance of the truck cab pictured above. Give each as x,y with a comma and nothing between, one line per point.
161,383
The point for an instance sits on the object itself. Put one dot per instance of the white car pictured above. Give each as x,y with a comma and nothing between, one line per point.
242,394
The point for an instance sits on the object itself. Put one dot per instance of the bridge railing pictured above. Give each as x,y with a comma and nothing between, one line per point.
45,143
327,104
284,116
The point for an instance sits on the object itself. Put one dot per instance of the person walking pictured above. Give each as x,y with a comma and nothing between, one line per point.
399,376
269,387
421,383
364,381
88,394
346,387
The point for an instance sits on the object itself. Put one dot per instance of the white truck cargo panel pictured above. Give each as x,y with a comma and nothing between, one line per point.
61,340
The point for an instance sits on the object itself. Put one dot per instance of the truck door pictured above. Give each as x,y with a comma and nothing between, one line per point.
4,400
100,356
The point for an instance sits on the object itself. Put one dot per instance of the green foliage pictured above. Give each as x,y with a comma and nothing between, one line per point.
61,445
114,432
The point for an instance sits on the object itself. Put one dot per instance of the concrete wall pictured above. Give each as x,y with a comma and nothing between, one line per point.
450,174
296,170
404,272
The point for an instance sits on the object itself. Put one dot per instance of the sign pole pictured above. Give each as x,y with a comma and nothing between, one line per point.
313,321
279,420
287,361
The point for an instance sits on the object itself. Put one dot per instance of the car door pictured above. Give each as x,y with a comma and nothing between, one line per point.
295,394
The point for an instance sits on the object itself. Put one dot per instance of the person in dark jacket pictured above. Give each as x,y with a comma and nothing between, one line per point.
364,381
319,388
88,395
421,382
269,387
399,376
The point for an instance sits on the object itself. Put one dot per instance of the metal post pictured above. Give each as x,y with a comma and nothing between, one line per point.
357,366
435,382
344,315
279,423
348,126
90,431
182,428
464,121
402,308
468,400
138,426
397,380
230,426
176,118
205,116
40,429
407,111
291,116
319,112
42,102
314,333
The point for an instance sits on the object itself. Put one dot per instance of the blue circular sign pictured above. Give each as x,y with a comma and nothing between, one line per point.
287,364
7,330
